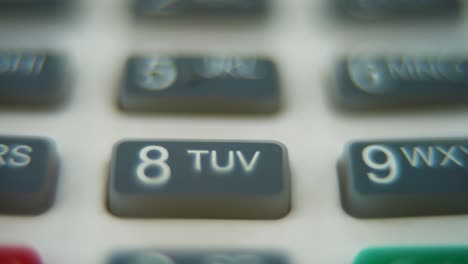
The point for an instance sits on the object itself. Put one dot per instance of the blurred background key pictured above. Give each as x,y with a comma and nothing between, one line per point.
18,255
202,8
28,175
384,9
376,81
31,78
200,84
414,255
30,7
199,257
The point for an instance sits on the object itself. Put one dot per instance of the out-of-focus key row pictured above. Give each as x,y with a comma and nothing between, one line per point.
244,180
239,84
359,9
165,84
407,255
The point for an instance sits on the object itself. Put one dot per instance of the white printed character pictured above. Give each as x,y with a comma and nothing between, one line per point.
31,64
411,68
388,169
237,68
15,156
164,175
370,74
419,156
156,74
226,166
450,156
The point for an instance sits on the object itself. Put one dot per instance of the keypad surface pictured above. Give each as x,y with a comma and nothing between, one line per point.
304,41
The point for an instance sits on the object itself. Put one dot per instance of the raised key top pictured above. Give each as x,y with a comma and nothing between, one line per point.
18,255
200,84
400,8
184,8
199,257
28,175
31,6
405,178
415,255
190,179
30,78
390,81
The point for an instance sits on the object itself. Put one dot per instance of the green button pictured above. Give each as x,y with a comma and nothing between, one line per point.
419,255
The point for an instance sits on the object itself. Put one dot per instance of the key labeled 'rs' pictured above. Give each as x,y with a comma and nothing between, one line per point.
28,175
190,179
405,178
402,80
200,84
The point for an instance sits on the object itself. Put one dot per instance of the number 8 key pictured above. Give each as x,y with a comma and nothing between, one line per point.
190,179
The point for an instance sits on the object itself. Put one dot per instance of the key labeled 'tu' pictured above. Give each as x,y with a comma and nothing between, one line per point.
199,179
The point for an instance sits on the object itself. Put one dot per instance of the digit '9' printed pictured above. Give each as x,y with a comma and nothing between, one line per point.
405,178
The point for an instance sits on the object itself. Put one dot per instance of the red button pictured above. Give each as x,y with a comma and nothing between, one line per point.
18,255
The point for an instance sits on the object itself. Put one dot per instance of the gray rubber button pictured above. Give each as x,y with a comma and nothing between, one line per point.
405,178
200,84
28,175
191,179
30,78
203,8
397,80
199,257
32,7
387,9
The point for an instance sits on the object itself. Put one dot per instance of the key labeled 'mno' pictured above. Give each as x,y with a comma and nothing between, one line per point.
375,81
192,179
